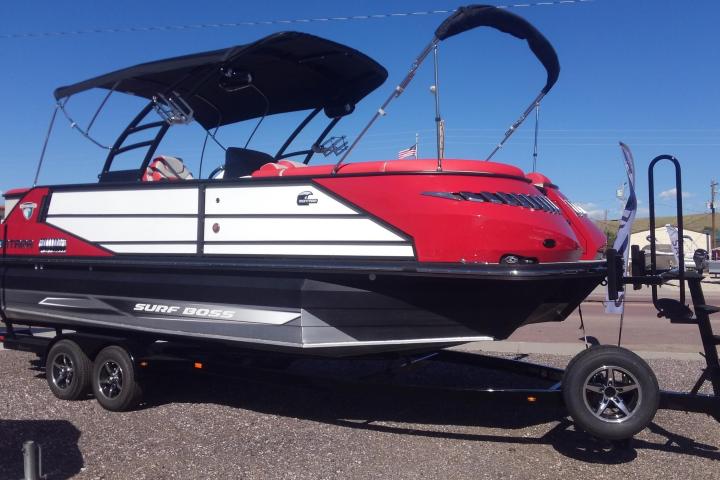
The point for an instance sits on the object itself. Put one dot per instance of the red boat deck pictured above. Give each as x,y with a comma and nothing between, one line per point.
286,168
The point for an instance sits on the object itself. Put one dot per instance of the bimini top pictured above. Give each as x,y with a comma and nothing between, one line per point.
283,72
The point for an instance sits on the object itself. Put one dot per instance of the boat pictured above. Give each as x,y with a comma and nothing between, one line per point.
269,253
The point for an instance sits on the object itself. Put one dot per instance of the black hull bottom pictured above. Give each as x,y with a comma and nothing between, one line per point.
336,310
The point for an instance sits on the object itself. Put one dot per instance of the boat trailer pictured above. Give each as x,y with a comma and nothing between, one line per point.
609,391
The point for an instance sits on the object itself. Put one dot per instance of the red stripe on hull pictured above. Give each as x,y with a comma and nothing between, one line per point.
22,235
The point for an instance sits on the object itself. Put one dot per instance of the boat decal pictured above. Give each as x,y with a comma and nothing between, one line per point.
63,302
303,198
87,304
53,245
205,312
176,311
27,209
179,310
11,243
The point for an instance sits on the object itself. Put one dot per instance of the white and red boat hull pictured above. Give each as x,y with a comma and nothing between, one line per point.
320,264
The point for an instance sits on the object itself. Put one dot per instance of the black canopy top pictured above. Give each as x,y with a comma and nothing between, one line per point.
472,16
294,71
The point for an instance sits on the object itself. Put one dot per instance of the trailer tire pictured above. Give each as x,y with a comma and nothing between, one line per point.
114,381
68,370
610,392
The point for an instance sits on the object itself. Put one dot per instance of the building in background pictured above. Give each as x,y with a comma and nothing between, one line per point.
665,257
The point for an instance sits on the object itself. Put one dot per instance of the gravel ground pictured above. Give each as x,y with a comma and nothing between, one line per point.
212,427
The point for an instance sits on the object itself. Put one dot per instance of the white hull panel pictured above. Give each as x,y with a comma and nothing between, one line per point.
298,230
129,229
152,248
313,250
270,200
285,220
166,201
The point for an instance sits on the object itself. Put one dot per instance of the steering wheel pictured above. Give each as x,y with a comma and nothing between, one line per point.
294,154
217,174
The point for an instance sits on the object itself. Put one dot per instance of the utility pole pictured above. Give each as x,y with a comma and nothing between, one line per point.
713,191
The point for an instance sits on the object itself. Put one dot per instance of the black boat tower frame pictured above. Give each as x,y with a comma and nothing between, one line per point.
218,88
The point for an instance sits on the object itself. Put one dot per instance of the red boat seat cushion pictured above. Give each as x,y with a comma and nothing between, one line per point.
166,168
292,164
286,168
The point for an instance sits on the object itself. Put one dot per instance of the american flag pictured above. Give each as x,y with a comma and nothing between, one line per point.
408,152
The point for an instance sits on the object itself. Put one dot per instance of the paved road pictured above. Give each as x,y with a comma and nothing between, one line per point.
642,330
209,427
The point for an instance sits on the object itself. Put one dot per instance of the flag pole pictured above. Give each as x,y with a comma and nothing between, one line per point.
417,147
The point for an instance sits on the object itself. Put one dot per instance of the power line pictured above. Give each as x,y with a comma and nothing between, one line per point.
199,26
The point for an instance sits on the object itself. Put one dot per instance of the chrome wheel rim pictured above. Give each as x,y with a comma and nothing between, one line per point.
110,379
62,371
612,394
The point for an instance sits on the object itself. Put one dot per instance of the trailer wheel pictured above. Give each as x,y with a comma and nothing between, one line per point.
610,392
114,382
68,370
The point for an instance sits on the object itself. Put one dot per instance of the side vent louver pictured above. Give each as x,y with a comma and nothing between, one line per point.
534,202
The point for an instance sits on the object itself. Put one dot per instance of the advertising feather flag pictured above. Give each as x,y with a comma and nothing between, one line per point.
622,241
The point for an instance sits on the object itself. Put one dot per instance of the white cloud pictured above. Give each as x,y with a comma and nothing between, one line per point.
593,210
672,192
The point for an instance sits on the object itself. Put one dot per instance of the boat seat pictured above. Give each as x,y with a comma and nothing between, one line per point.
273,169
168,168
241,162
292,164
120,176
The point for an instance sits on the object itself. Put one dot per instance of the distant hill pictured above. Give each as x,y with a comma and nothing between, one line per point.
696,222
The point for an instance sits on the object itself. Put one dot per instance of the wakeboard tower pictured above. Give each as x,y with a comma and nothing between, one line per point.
272,253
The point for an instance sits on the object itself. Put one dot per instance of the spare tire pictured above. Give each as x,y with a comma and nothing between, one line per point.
610,392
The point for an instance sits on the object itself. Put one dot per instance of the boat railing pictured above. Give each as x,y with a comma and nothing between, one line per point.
680,274
463,20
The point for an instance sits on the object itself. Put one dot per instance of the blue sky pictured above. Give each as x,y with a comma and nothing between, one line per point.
641,71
